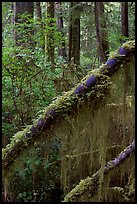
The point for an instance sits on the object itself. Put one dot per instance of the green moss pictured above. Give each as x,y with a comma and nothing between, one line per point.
78,190
62,104
130,45
83,131
115,194
15,140
132,187
129,191
65,102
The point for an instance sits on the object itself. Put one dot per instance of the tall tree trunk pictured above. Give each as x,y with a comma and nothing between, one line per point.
50,33
124,18
38,10
62,47
22,8
101,32
70,32
13,20
74,32
40,27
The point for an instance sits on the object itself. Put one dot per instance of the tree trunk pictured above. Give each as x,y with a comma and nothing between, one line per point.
74,33
22,8
50,33
101,32
124,19
40,27
38,10
62,47
70,33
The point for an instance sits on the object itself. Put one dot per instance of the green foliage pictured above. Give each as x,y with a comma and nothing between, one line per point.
54,38
114,23
27,80
29,84
37,177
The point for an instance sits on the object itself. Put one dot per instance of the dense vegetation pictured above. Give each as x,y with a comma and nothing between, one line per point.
41,57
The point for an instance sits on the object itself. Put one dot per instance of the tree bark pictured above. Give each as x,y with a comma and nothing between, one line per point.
74,33
70,33
40,27
62,48
38,10
50,33
22,8
124,18
101,32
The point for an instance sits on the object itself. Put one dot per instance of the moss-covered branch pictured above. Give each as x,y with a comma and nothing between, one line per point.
91,184
67,103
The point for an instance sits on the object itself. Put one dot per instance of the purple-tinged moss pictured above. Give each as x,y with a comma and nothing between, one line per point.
33,130
51,113
28,135
40,123
123,51
111,63
79,89
91,81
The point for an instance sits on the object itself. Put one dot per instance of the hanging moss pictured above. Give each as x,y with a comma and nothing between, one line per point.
94,121
88,188
67,100
109,120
